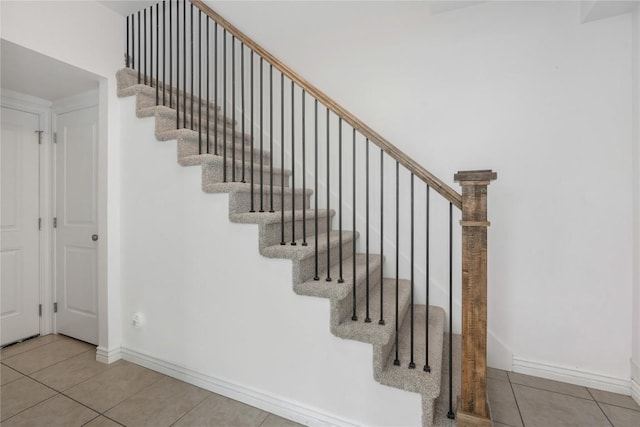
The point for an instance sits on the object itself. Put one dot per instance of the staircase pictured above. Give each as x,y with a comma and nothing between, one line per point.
368,303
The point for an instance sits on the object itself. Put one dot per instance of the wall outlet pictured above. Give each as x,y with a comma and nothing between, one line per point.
137,320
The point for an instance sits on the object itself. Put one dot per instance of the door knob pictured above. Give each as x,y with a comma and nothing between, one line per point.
94,237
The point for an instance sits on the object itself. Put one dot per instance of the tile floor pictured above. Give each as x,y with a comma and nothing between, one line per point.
55,381
522,400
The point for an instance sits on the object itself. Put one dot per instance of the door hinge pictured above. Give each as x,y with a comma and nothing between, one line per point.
39,132
55,137
55,307
39,223
55,222
40,310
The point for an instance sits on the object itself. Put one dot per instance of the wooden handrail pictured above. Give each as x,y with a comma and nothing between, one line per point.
434,182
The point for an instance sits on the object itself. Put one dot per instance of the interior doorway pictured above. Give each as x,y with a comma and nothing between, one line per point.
50,273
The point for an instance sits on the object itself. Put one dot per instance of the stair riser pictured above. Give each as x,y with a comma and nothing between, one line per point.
145,103
270,234
191,147
241,202
166,122
304,270
344,307
214,173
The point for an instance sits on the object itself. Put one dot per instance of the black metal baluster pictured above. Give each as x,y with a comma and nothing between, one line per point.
164,52
381,321
293,169
178,65
451,414
233,108
150,46
224,105
328,279
412,364
139,49
396,361
340,279
271,138
191,49
354,316
158,54
304,171
144,44
208,88
215,88
126,58
252,126
170,56
184,64
427,367
282,242
199,80
261,146
367,319
315,190
242,105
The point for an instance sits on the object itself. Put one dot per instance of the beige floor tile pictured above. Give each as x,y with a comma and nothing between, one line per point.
621,417
12,350
59,411
218,411
102,422
495,424
106,390
160,404
497,374
8,375
545,408
614,399
502,403
20,395
549,385
72,371
46,355
276,421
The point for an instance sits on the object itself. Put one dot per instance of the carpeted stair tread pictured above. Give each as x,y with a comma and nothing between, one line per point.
166,124
300,252
189,143
417,380
374,333
275,217
334,289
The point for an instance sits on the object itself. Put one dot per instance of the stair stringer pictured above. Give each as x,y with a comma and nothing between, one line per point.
170,258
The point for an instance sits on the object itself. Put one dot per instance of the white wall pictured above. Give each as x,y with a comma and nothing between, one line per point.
524,89
211,320
635,328
89,36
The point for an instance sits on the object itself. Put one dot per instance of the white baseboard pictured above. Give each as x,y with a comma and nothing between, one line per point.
572,376
635,391
284,408
104,355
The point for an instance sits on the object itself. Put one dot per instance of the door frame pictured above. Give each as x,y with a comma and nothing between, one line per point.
73,103
42,108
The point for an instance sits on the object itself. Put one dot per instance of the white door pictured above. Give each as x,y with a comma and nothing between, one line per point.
76,230
20,246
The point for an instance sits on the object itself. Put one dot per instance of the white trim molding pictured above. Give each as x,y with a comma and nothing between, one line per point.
572,376
635,382
291,410
107,356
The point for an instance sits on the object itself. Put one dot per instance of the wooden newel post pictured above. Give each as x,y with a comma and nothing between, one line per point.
472,405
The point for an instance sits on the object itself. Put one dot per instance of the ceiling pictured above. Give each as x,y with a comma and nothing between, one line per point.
125,8
31,73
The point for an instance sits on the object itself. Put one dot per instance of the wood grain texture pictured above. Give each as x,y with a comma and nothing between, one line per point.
472,410
420,172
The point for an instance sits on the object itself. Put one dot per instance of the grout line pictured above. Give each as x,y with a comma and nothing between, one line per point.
554,391
600,407
32,406
30,340
265,419
162,376
515,400
195,406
